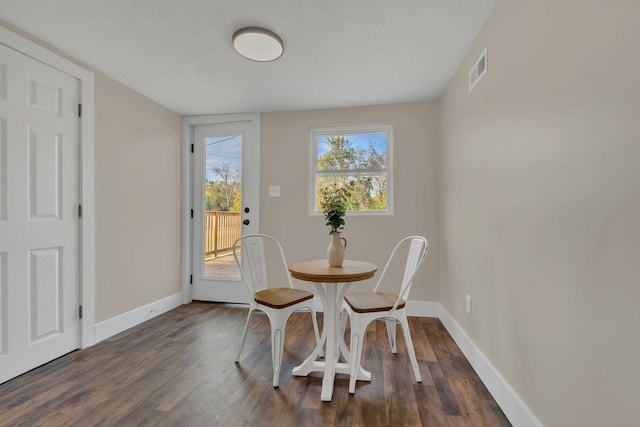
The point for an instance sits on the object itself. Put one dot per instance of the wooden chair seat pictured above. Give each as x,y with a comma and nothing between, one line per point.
279,298
372,302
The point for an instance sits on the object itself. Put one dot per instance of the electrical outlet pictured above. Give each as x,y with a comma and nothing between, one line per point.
468,304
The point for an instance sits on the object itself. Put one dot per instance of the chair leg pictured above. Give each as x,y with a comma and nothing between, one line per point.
244,333
410,349
357,337
391,331
278,322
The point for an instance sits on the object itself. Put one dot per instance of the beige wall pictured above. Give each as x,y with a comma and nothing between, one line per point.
138,175
285,162
540,206
138,188
538,199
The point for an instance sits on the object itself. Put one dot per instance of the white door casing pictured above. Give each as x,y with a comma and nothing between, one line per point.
47,259
195,130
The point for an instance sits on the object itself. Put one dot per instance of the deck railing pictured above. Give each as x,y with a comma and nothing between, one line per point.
221,229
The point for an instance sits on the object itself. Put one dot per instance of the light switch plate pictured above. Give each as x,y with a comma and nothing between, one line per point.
274,191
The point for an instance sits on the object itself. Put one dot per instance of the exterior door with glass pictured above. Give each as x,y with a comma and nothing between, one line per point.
226,159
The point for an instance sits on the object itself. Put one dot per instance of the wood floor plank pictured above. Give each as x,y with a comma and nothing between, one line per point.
470,405
422,329
429,406
448,401
178,370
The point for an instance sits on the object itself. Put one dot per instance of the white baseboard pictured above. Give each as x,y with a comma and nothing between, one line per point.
513,407
122,322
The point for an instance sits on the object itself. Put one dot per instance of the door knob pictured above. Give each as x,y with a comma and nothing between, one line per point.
245,222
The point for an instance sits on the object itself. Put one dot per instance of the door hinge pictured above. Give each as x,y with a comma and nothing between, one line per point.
192,148
79,110
80,312
79,211
191,213
191,279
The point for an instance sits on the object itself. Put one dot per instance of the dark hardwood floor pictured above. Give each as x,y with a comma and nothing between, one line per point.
177,370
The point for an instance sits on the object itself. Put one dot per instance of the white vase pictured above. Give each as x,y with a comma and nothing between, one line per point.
335,251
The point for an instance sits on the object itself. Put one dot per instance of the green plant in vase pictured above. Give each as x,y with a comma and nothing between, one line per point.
334,208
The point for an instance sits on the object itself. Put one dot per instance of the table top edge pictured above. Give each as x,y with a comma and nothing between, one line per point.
319,271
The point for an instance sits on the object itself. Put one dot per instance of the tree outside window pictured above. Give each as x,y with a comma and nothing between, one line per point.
224,192
358,157
223,179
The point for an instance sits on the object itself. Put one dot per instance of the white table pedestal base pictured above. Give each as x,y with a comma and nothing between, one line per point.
334,340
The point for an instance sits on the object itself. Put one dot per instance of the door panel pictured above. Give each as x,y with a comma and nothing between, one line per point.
44,274
39,289
44,172
225,194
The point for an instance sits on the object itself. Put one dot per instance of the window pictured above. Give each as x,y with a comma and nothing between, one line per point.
358,156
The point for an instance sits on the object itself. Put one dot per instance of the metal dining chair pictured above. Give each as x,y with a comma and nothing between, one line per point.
278,303
365,307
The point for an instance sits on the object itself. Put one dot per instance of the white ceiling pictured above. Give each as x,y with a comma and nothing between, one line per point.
338,53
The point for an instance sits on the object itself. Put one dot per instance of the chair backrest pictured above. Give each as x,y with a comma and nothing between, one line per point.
418,248
249,253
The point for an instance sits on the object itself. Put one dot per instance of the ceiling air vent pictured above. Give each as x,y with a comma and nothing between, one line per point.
478,70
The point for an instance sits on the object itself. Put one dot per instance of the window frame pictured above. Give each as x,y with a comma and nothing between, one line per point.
318,132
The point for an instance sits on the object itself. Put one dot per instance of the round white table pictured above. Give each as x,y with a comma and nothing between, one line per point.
327,281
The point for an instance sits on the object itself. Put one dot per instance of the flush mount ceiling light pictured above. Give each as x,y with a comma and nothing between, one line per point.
258,44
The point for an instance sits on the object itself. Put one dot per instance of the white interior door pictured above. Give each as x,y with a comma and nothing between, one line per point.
39,292
225,205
